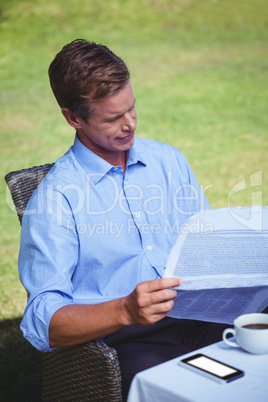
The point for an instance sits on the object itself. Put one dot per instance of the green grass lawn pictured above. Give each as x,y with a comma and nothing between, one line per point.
199,73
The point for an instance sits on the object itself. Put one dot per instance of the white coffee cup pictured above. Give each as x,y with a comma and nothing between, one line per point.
249,338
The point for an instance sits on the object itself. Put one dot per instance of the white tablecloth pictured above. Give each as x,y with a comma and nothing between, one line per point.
168,382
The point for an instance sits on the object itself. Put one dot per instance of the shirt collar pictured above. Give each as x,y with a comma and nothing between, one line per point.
97,167
135,155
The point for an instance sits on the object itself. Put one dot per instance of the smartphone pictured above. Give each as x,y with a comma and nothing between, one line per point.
211,368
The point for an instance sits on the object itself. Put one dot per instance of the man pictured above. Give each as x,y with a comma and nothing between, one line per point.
97,233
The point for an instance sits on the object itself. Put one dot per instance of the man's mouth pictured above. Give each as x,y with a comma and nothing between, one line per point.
127,137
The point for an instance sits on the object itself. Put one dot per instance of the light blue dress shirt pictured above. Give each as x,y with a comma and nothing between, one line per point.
91,232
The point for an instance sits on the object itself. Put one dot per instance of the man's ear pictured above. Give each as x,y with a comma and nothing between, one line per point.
71,118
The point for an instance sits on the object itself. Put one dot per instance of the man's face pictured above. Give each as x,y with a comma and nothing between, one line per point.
111,127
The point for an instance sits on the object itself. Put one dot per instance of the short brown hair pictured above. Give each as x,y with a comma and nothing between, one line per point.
84,72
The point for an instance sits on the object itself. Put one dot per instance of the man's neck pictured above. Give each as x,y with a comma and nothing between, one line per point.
114,158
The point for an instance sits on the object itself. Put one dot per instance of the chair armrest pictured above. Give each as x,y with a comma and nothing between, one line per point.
85,372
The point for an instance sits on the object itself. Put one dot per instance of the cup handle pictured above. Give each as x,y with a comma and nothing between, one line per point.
230,343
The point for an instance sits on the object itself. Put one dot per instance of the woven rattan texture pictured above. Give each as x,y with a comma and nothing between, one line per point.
85,372
23,182
91,373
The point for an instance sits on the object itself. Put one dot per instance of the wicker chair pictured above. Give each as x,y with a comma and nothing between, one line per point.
85,372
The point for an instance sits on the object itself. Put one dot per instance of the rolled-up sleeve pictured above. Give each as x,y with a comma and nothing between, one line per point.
47,259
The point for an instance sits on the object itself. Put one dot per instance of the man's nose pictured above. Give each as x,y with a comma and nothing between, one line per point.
129,122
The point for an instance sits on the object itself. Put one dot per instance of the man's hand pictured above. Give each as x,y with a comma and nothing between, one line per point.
150,301
78,323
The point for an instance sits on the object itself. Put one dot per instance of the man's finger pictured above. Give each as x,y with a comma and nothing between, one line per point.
158,284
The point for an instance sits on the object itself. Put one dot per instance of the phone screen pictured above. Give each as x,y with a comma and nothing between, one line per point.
212,367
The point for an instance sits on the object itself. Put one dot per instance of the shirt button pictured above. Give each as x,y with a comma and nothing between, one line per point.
138,215
149,248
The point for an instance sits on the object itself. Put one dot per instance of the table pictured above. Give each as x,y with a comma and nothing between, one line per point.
169,382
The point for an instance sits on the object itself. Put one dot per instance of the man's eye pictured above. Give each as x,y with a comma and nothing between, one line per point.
112,120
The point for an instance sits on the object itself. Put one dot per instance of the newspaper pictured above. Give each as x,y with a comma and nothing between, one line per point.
221,255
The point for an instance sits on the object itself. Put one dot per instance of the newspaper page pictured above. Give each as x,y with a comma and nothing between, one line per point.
221,255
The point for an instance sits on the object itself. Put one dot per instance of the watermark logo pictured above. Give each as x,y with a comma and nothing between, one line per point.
252,220
153,199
